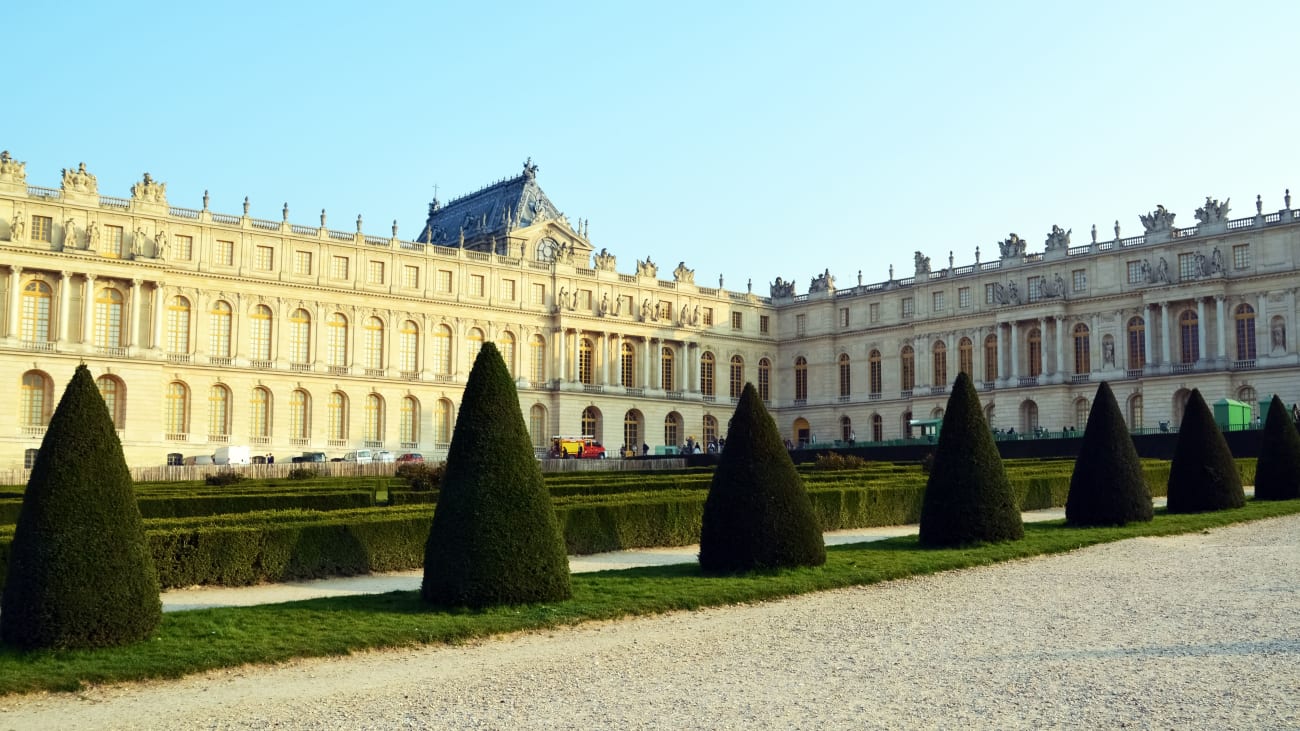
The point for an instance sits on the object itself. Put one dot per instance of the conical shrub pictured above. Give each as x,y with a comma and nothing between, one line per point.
968,498
495,538
758,514
80,572
1107,487
1277,473
1203,475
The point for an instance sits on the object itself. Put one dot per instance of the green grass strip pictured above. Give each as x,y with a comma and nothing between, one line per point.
195,641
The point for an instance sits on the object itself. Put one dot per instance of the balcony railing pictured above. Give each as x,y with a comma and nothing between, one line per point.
800,402
1028,381
300,367
444,378
678,395
905,393
374,373
938,390
592,388
40,346
988,385
374,444
259,441
111,352
218,439
300,441
709,398
634,391
843,398
177,437
1081,378
336,442
1243,365
1183,367
219,360
337,370
260,364
875,396
33,431
179,358
410,375
1135,372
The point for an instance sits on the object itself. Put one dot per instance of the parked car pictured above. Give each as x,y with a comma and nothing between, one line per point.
411,457
199,459
360,456
232,455
384,455
310,457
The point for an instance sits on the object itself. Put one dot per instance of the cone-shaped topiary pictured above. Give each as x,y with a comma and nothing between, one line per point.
80,572
1203,475
495,538
757,514
1277,473
968,498
1107,487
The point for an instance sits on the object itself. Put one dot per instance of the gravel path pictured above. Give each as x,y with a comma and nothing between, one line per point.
1193,631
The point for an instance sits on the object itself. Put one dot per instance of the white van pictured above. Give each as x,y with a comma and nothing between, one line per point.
360,456
232,455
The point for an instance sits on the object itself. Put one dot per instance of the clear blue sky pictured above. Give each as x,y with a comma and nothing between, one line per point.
751,139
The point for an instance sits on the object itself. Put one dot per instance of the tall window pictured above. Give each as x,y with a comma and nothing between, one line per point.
1080,413
223,252
586,367
114,240
632,430
908,359
259,333
537,426
177,409
666,362
300,336
1245,320
966,357
184,250
940,374
1137,343
590,421
299,424
991,358
506,344
627,364
374,418
1189,332
442,422
178,325
442,350
374,343
537,359
410,426
36,311
846,383
114,395
1082,349
259,422
874,371
877,428
218,411
337,325
800,379
846,429
473,344
408,351
672,432
706,373
338,416
36,399
219,318
108,318
1035,339
765,379
710,429
1135,412
737,376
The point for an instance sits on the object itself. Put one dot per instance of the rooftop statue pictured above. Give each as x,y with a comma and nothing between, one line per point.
1059,239
12,170
781,289
1158,220
922,264
152,191
80,181
646,268
684,275
1013,246
604,260
1213,211
823,282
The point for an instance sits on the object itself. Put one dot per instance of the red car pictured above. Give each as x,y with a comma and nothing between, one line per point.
411,457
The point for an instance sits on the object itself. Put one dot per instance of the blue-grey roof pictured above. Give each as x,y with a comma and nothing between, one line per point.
490,212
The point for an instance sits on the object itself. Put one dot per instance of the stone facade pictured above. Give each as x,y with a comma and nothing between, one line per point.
208,329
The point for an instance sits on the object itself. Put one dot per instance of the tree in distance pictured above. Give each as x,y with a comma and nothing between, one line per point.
80,572
1203,475
1277,473
495,539
757,514
968,498
1107,486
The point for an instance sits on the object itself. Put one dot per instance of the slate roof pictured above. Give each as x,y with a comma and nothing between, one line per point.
490,212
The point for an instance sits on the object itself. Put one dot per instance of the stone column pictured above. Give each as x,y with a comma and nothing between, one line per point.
647,383
133,330
1003,370
573,354
1165,362
1059,372
616,366
1148,334
562,343
1220,321
88,312
1013,372
1200,330
1094,345
15,300
602,348
160,306
65,295
1262,338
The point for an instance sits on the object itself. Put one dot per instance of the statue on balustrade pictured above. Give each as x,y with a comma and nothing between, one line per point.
11,170
604,261
781,289
80,181
823,282
922,263
1158,220
150,190
1013,246
683,275
1213,211
1060,239
646,268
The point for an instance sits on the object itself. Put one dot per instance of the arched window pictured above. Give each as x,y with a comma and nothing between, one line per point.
1082,349
442,350
338,416
442,422
908,358
178,325
1245,319
338,340
1189,334
537,359
374,344
108,318
710,429
1180,404
113,391
410,426
632,430
473,344
408,350
800,379
537,426
300,337
706,373
506,344
176,417
1080,413
907,424
765,379
666,363
586,366
1137,343
590,423
991,358
37,399
940,375
627,364
846,430
966,357
218,411
35,326
737,376
846,377
219,318
1247,395
1135,412
374,419
672,429
299,414
877,428
1028,417
874,370
259,424
259,333
1035,340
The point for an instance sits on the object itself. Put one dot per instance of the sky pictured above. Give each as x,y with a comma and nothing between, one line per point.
750,140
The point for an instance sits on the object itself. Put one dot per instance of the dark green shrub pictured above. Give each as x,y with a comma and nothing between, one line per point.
837,461
968,498
303,473
1203,475
224,477
1277,472
1108,486
495,539
80,573
757,514
422,476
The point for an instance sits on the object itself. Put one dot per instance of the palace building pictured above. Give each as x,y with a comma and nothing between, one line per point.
207,329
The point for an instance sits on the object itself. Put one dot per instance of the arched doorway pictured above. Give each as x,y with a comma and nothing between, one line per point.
1028,417
1180,405
802,432
673,436
591,423
633,432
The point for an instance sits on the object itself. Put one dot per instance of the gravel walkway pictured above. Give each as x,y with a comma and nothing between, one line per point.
1193,631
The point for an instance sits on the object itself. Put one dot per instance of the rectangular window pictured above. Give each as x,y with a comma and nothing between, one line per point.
1134,272
1035,289
263,258
476,285
939,302
844,317
764,324
42,228
963,297
584,299
375,272
627,304
444,280
737,321
184,248
302,263
539,294
225,254
908,307
1241,256
410,276
873,311
1079,280
1186,266
990,293
800,325
339,267
508,290
114,237
708,317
